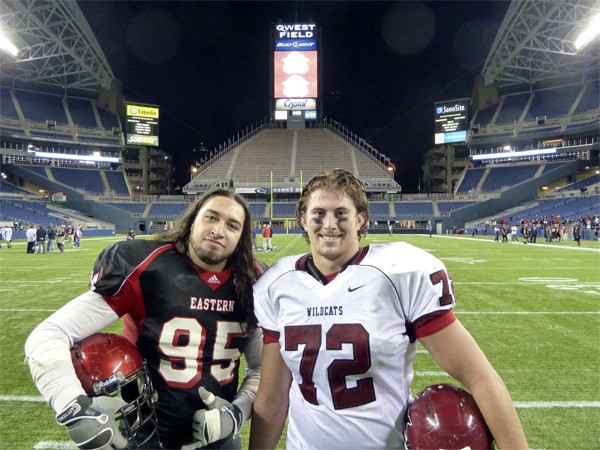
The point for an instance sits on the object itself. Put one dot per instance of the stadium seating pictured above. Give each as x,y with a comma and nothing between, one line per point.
258,211
136,208
413,209
379,210
82,112
167,210
564,208
117,183
40,107
471,180
499,177
284,210
512,108
25,211
448,207
108,119
552,102
82,179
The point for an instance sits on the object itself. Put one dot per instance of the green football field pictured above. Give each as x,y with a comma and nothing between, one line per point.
534,309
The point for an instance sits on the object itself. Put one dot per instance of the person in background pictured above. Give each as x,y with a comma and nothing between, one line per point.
77,233
31,236
267,233
130,234
341,325
51,234
40,240
577,234
7,236
61,237
186,299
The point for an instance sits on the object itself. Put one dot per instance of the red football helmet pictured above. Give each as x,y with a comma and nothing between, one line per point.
109,364
444,416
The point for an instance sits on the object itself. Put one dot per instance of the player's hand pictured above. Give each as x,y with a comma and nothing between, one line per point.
219,420
91,422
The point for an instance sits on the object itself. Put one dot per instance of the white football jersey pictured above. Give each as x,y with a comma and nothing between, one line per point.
350,344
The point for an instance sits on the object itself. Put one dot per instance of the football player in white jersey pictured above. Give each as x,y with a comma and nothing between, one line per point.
341,326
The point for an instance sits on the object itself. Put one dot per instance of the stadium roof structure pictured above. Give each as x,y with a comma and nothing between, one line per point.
57,47
536,43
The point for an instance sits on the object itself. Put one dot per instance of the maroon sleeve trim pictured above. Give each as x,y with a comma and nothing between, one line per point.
270,336
434,324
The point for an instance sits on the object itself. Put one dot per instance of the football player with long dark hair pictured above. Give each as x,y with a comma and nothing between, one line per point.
186,299
341,326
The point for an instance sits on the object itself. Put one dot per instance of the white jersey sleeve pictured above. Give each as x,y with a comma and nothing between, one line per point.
47,349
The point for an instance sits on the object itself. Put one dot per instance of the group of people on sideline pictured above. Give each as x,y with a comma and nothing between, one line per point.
45,240
549,231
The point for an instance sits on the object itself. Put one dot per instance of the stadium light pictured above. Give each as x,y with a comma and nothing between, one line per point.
80,158
7,45
509,155
588,34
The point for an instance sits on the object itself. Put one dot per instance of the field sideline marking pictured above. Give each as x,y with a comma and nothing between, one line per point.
54,445
525,405
500,313
581,249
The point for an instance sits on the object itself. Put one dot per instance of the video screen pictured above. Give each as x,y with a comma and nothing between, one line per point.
451,121
295,74
141,125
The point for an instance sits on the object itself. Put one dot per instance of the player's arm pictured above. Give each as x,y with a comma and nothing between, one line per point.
272,400
458,354
47,349
247,392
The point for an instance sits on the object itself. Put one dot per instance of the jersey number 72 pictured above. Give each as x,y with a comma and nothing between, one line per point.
310,337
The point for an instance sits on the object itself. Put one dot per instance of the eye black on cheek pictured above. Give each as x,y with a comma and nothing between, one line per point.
316,221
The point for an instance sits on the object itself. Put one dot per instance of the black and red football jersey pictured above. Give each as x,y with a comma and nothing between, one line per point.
185,321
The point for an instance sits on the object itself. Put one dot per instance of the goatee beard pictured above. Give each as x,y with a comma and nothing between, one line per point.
209,257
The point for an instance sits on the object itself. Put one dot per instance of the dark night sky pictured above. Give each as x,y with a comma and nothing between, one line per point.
206,64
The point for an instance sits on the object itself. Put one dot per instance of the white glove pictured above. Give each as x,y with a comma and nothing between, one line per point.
91,422
219,420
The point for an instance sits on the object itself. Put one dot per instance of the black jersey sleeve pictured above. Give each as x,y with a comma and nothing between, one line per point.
119,262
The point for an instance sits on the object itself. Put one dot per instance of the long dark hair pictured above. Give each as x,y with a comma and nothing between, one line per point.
339,179
241,259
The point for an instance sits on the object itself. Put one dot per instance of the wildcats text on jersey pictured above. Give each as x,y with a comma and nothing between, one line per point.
315,311
212,304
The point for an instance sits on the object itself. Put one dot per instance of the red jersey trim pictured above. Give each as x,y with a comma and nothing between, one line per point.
434,325
270,336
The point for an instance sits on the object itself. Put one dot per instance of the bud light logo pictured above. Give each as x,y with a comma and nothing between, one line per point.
295,44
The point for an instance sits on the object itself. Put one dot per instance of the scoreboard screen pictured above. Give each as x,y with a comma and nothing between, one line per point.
451,121
141,125
295,74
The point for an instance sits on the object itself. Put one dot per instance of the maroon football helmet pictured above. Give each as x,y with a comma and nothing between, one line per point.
444,416
109,364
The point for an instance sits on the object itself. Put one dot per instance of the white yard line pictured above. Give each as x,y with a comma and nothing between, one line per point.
522,405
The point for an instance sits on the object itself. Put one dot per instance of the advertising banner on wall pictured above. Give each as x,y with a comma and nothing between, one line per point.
59,197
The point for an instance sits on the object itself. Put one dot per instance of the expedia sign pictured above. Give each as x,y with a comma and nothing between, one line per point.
295,104
295,44
142,111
